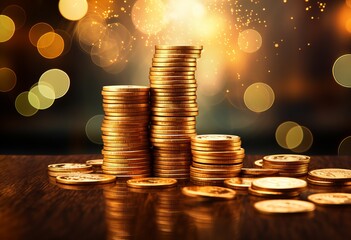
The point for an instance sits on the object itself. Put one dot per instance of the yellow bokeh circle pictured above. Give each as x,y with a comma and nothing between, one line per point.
7,28
73,9
259,97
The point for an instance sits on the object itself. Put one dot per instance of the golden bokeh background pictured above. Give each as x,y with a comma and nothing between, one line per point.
275,72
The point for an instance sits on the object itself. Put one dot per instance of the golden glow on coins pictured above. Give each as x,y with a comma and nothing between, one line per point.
8,79
73,9
7,28
345,146
17,14
342,70
23,106
37,31
148,16
249,41
58,79
37,100
93,129
259,97
50,45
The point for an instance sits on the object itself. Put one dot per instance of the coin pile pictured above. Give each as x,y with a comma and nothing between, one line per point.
215,158
173,108
126,151
289,165
330,177
64,169
277,187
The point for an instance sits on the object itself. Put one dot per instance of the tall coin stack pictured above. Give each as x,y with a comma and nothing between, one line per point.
216,157
126,151
173,108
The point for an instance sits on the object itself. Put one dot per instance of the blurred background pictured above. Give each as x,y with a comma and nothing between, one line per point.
275,72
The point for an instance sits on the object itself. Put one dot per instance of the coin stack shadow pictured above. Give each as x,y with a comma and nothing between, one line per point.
215,158
173,108
126,150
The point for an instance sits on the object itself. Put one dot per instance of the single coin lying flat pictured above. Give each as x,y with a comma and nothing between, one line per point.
330,198
151,182
284,206
209,192
80,179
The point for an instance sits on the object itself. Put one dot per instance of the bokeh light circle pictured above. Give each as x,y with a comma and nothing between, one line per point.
249,41
306,142
345,147
259,97
73,9
17,14
93,129
282,131
23,105
50,45
342,70
7,28
38,30
37,100
148,16
58,79
8,79
294,137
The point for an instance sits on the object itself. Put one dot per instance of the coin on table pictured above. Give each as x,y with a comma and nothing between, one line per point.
80,179
287,159
95,162
331,174
151,182
330,198
284,206
69,167
258,163
239,182
279,184
209,192
259,171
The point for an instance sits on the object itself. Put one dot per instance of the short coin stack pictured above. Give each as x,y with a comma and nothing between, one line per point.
330,177
215,158
289,165
64,169
174,108
277,187
126,151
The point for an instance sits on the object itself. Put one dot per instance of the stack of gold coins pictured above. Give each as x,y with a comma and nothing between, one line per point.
126,151
330,177
289,165
277,187
64,169
174,108
216,157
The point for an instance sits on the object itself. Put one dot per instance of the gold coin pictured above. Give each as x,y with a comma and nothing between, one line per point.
171,47
272,194
159,93
174,64
219,161
259,172
177,51
279,184
125,88
169,82
173,69
258,163
222,175
331,174
219,166
239,183
124,95
174,86
209,192
151,182
287,159
69,167
284,206
224,154
67,173
173,132
328,183
214,148
175,114
166,137
81,179
164,109
172,127
333,198
123,106
173,98
172,73
95,162
169,79
215,138
177,55
173,60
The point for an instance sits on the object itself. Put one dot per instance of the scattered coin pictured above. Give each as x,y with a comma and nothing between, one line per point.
284,206
209,192
80,179
151,182
334,198
239,183
95,162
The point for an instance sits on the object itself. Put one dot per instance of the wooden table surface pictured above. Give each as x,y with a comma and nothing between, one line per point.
34,207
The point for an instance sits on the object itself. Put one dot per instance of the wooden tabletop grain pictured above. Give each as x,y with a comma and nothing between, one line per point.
33,206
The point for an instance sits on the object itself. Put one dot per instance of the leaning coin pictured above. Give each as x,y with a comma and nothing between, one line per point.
284,206
151,182
80,179
68,167
95,162
330,198
209,192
